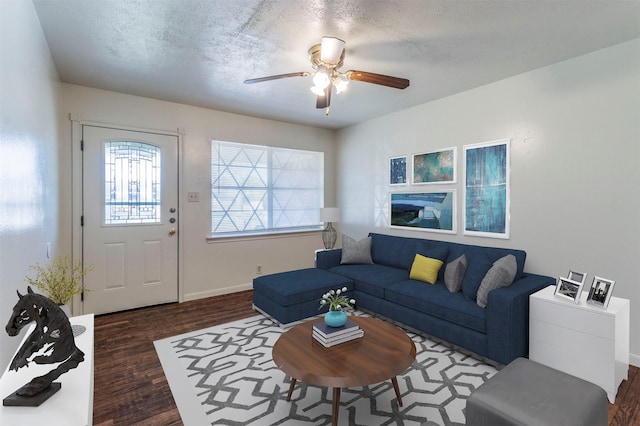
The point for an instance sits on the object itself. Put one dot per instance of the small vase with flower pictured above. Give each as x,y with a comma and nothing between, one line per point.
337,302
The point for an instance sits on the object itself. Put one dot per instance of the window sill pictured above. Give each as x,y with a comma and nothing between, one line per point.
261,236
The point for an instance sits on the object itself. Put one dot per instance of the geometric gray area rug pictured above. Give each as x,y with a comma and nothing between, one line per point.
224,375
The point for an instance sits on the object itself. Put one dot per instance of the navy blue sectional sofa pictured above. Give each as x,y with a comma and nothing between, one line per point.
500,331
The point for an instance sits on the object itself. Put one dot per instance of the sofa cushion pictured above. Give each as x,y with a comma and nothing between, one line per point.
356,252
478,264
500,275
397,252
437,301
372,279
494,253
454,273
425,269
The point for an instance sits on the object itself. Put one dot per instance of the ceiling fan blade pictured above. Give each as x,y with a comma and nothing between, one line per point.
276,77
324,101
383,80
332,50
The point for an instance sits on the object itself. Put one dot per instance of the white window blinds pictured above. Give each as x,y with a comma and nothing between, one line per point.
261,189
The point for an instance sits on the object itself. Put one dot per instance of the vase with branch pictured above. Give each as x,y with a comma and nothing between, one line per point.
60,280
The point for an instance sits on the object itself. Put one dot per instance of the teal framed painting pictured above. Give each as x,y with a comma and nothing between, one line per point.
426,211
398,170
487,189
435,167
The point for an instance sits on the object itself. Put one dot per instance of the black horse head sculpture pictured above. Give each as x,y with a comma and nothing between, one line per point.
52,334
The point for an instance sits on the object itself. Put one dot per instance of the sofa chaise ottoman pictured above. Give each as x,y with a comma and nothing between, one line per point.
295,295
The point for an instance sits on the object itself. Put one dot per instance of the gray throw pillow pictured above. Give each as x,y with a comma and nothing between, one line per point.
454,273
356,251
501,274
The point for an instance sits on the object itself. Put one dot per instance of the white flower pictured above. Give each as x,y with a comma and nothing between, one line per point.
337,300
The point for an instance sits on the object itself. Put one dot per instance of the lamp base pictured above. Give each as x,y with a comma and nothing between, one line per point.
329,236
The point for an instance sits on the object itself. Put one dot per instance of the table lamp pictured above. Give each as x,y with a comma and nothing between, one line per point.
329,235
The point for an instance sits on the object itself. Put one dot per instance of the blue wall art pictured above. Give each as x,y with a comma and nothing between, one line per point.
486,189
398,171
435,167
427,211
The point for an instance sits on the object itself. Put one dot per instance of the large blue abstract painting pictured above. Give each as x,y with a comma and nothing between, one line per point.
486,197
428,211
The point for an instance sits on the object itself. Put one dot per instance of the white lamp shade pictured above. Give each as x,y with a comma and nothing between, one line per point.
329,214
331,50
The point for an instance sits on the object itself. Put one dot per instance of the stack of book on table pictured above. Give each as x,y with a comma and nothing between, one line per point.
330,336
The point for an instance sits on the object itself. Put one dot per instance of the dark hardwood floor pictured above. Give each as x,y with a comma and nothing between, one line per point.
130,386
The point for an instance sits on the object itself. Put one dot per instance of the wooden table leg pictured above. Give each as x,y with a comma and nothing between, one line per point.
394,381
336,406
291,386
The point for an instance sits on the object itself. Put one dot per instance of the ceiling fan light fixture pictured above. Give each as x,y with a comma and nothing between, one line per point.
326,59
331,50
321,79
341,82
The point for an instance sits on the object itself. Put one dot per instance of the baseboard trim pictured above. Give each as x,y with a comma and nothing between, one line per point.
634,360
218,292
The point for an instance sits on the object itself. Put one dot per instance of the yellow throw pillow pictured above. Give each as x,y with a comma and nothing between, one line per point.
425,269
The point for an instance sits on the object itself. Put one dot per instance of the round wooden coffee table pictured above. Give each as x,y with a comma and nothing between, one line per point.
381,354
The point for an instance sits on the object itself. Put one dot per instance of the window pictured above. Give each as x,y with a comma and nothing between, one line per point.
132,173
261,189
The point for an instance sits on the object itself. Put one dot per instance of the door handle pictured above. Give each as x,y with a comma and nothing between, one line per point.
172,231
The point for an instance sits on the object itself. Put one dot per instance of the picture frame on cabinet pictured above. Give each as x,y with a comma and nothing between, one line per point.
568,289
600,292
398,171
579,277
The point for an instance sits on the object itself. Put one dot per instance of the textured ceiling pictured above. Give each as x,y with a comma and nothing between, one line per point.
199,52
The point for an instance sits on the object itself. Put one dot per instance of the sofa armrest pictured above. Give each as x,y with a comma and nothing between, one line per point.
508,318
327,259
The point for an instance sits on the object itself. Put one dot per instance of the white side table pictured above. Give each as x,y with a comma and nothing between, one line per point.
583,340
71,405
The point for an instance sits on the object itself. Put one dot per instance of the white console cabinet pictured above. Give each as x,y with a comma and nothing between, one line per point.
583,340
72,405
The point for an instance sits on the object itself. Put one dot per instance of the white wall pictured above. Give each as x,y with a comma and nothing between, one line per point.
29,134
221,267
575,165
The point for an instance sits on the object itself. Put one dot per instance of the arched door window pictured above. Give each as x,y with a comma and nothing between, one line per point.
132,172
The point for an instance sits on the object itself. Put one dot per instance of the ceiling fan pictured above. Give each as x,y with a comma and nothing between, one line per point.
326,59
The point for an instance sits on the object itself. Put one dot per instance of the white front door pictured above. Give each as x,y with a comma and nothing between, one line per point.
130,218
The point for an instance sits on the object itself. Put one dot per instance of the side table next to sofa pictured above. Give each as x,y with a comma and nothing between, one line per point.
583,340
